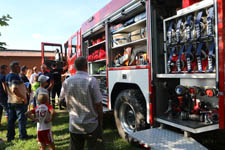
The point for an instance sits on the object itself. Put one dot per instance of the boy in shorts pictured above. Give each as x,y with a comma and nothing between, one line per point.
43,114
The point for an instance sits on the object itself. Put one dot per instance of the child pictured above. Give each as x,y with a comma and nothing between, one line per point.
34,86
43,82
43,115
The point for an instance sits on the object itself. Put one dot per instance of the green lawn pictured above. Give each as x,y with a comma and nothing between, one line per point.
61,135
214,140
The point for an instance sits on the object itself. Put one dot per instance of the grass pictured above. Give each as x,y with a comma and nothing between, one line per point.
61,135
214,140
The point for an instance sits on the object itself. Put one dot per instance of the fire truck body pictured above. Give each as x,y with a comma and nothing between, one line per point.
74,50
157,63
145,90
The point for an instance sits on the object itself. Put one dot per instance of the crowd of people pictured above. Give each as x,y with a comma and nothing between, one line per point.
33,95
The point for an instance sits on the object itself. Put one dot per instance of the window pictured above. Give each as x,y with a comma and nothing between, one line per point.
74,46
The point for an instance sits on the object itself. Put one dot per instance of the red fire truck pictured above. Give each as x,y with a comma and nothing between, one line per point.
159,63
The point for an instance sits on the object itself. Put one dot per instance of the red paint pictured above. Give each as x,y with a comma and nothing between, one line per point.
151,97
110,8
43,44
187,3
129,68
150,113
75,55
144,145
221,32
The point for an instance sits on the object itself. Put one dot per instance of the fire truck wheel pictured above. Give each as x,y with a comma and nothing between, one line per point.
130,112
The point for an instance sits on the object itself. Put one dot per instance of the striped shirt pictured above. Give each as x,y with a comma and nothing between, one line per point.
81,92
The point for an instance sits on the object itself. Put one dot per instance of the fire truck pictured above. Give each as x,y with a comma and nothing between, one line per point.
160,65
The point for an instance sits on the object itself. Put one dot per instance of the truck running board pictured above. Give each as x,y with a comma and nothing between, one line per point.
162,139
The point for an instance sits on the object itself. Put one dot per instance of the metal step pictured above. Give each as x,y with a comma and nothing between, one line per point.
162,139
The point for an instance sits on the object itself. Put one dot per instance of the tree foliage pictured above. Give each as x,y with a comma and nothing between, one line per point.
4,22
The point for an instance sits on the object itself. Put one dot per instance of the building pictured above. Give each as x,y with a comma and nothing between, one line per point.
29,58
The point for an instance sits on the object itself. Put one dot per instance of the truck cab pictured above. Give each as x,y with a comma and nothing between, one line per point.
64,56
60,55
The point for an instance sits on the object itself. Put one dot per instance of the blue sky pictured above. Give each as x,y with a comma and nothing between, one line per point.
36,21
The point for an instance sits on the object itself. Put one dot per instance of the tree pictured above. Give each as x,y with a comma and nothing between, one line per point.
4,22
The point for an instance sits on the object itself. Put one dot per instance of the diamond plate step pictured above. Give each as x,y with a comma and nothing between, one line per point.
162,139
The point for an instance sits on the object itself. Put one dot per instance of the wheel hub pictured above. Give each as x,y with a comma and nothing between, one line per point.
127,117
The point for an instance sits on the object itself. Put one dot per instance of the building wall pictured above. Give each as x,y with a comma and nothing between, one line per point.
30,58
30,62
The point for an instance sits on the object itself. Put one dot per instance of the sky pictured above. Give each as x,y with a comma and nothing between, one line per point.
36,21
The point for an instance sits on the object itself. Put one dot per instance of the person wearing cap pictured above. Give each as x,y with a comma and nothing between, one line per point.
43,80
17,103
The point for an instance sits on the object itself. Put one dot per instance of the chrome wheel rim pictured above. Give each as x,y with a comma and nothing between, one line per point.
127,117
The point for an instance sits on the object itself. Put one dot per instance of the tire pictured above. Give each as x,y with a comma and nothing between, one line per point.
130,112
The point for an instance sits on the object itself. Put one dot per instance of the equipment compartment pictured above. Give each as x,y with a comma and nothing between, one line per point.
188,79
190,42
96,55
128,40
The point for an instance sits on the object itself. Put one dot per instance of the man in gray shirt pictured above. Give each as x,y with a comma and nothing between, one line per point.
84,104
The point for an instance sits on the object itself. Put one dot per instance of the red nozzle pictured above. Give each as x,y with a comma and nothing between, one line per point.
209,92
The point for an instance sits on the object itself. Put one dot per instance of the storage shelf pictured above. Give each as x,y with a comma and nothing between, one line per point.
101,60
98,75
132,27
141,41
96,44
187,76
129,67
190,126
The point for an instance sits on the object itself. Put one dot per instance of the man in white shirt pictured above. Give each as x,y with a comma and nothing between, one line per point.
84,104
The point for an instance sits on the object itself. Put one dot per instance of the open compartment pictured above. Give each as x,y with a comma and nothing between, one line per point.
128,39
188,104
95,50
185,65
190,41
